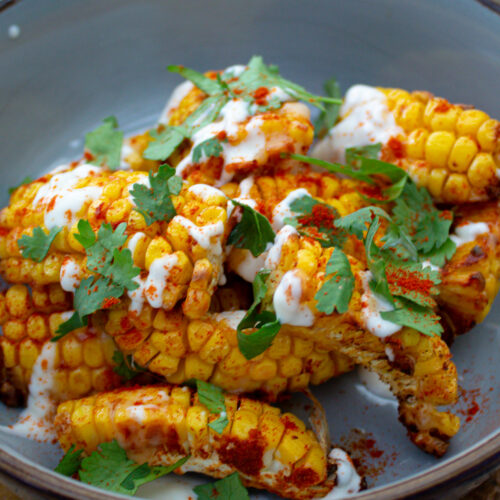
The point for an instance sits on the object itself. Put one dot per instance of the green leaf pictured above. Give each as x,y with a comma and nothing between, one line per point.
328,117
253,232
125,366
155,203
122,270
229,488
92,295
357,222
369,151
315,219
397,239
85,234
105,144
110,469
165,143
219,425
37,246
26,180
213,398
255,343
204,83
70,463
423,319
445,252
74,322
205,113
259,292
210,147
336,292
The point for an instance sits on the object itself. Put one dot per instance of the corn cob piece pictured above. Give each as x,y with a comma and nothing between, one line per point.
253,142
177,348
470,280
161,424
83,360
452,150
181,259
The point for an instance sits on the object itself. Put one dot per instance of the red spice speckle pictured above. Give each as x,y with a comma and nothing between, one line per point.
244,454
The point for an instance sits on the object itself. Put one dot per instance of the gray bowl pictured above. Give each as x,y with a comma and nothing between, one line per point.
76,62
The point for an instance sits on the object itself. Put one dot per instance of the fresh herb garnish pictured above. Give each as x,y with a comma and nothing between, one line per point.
210,148
213,398
315,219
37,246
252,232
327,118
125,366
105,144
25,181
268,326
155,203
336,291
229,488
114,268
109,468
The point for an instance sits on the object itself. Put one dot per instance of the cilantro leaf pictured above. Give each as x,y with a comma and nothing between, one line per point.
125,366
399,240
213,398
85,235
253,232
74,322
369,151
445,252
155,203
327,118
229,488
94,294
37,246
70,463
357,222
206,112
105,144
26,180
165,142
210,148
336,292
109,468
315,219
204,83
255,343
423,319
122,270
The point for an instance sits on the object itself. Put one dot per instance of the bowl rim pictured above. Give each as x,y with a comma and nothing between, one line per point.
465,467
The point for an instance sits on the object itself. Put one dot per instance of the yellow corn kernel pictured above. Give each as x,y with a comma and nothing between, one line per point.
118,211
92,353
244,421
158,247
281,347
445,120
307,262
197,424
234,364
71,351
195,367
438,147
488,135
263,370
436,181
164,364
302,347
409,115
469,121
415,144
482,170
103,421
198,332
456,188
462,154
17,301
37,328
169,342
79,381
290,366
14,330
216,348
28,352
299,382
82,423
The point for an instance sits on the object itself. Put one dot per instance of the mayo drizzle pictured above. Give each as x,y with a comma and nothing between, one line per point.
69,275
468,232
175,99
348,480
156,281
282,210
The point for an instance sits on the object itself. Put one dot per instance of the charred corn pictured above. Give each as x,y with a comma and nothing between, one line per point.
159,425
83,360
452,150
181,259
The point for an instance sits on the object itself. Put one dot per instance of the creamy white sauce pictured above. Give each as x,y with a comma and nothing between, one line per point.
234,71
249,266
468,232
348,480
70,274
36,421
274,254
389,352
371,307
244,197
287,302
157,279
374,384
430,265
282,210
205,192
126,151
137,296
203,235
232,318
176,97
61,201
134,241
365,119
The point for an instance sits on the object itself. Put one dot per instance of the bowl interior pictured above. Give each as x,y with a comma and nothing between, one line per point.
76,62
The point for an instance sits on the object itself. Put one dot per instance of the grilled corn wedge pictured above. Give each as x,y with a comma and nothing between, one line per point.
161,424
181,259
83,360
452,150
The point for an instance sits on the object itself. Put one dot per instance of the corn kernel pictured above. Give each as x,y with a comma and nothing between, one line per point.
488,135
438,147
462,154
469,121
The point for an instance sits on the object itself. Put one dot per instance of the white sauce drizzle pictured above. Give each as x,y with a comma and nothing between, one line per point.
366,119
70,274
430,265
249,266
274,254
286,302
137,296
203,235
468,232
157,278
36,421
232,318
175,99
389,352
282,210
134,241
374,384
205,192
63,199
126,151
371,307
348,480
244,197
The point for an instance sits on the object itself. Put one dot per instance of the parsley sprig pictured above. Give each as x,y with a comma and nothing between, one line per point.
114,273
37,246
125,366
109,468
229,488
213,398
155,202
105,144
328,117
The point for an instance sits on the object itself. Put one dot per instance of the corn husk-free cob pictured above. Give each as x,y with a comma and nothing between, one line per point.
161,424
179,259
452,150
83,360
